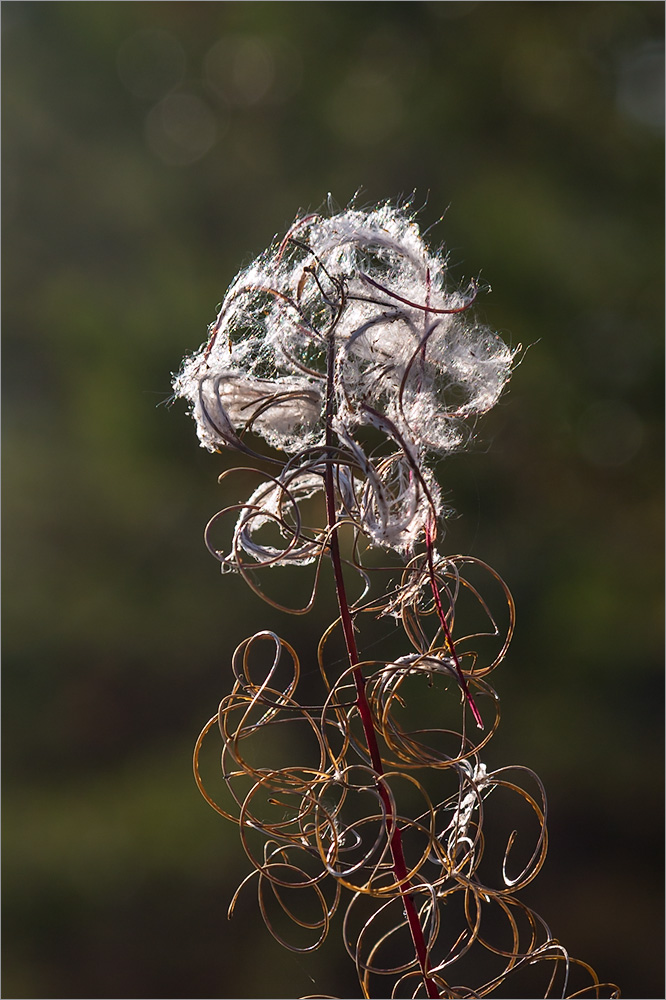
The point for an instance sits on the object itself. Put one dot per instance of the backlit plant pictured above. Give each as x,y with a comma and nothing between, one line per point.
345,349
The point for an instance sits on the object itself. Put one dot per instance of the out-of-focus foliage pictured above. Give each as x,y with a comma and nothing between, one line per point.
150,149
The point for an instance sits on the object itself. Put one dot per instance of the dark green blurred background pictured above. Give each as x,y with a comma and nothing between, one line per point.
150,149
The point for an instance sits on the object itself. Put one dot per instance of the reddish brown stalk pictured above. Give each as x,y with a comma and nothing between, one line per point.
417,305
445,627
395,839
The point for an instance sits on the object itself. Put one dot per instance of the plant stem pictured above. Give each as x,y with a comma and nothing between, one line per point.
445,627
393,831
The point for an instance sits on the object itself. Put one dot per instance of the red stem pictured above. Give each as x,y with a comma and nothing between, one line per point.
395,839
446,630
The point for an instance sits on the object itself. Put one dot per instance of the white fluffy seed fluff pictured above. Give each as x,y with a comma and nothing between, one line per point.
407,360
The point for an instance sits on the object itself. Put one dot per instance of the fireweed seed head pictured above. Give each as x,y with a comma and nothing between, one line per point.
347,321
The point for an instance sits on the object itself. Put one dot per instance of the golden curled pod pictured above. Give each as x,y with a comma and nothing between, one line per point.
376,932
196,766
243,735
535,859
410,985
356,845
248,568
522,941
321,925
413,603
260,691
253,709
466,586
387,698
281,805
383,681
548,971
276,501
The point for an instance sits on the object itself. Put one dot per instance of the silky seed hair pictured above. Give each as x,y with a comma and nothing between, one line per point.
407,361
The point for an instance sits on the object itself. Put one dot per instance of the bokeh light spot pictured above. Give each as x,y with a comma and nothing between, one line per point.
181,129
240,69
640,89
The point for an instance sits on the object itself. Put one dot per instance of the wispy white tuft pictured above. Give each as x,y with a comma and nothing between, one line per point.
407,361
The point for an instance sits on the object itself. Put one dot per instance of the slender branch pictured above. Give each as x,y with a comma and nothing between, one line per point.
445,626
395,839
